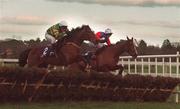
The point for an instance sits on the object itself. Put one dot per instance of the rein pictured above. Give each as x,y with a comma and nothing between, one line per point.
74,44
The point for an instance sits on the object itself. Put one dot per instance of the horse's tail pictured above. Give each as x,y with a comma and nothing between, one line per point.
23,57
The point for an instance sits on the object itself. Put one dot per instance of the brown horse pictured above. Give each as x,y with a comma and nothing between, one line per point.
106,58
67,51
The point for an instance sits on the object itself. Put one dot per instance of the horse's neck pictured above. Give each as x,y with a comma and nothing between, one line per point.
76,40
120,48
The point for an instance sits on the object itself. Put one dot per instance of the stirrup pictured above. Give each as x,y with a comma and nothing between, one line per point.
51,54
88,67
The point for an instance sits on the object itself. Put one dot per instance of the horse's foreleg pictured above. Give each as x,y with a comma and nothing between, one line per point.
26,66
117,67
121,68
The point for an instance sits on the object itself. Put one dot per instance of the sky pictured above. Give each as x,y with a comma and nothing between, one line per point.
150,20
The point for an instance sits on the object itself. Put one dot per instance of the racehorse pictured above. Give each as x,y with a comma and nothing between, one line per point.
106,58
66,51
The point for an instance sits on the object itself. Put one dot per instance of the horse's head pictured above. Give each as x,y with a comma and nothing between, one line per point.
131,47
88,34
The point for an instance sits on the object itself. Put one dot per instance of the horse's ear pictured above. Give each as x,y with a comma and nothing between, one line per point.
132,38
127,37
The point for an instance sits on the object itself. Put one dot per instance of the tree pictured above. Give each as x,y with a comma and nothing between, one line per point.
38,40
166,44
167,48
178,48
142,47
153,50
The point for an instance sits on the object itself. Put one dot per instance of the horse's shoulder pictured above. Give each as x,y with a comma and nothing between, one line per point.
100,50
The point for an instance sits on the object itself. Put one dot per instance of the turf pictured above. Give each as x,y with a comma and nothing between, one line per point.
91,105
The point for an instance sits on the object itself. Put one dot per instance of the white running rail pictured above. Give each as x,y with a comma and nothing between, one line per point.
163,65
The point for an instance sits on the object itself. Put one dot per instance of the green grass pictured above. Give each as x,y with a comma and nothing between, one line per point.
91,105
159,69
8,65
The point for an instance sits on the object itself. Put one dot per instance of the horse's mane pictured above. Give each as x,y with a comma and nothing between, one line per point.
74,30
70,34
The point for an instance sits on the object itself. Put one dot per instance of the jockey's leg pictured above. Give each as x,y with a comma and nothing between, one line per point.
50,39
87,61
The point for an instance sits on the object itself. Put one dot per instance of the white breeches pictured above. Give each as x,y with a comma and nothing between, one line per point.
50,38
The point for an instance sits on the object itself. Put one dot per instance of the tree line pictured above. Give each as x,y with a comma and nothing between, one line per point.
166,48
11,48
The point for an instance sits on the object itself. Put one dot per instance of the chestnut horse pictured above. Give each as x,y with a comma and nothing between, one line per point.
66,51
106,58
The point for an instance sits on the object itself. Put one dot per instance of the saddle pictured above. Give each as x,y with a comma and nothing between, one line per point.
49,51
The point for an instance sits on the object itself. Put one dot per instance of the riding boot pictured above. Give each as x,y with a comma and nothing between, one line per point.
88,67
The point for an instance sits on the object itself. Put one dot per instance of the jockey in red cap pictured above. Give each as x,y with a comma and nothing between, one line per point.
103,37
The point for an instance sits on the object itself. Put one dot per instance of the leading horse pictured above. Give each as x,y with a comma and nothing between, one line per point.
107,58
66,51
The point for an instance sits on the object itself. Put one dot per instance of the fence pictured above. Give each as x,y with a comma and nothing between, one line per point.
8,61
164,65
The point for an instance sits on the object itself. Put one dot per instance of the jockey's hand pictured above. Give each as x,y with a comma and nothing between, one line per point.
67,30
102,41
65,34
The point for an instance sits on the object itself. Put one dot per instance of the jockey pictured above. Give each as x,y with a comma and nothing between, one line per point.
55,32
104,37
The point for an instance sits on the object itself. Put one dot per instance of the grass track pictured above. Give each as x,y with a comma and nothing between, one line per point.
91,105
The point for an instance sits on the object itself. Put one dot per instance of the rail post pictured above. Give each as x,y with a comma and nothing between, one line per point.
177,65
177,94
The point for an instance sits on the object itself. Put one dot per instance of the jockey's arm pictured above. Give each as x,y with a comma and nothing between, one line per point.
108,42
102,40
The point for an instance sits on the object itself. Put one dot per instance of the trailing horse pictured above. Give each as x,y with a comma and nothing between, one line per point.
106,59
66,51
